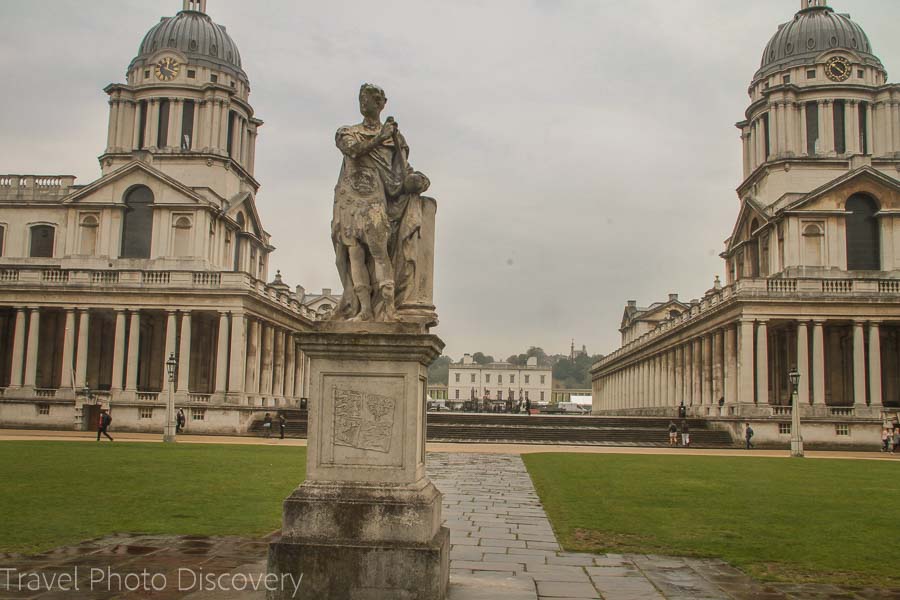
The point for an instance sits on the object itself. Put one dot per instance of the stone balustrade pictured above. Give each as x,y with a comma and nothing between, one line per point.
35,188
762,288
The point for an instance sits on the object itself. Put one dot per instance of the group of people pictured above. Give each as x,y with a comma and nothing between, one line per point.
267,425
684,430
890,439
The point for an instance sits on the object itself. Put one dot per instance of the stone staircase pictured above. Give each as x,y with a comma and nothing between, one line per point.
541,429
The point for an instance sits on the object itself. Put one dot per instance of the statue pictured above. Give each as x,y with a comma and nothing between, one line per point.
382,229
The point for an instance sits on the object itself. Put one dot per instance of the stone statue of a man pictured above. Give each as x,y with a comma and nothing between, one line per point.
373,223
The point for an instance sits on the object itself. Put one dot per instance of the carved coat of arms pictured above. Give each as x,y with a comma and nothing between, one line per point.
363,420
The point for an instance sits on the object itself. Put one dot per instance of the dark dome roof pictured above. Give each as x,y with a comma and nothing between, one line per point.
194,34
812,31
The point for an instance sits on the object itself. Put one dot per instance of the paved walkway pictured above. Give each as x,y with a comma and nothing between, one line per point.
502,548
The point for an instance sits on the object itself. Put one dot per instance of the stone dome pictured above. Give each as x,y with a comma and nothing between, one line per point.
814,30
195,35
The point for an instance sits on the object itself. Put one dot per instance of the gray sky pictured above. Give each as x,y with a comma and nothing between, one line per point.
582,152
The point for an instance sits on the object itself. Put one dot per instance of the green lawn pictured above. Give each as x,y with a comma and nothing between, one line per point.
778,519
58,493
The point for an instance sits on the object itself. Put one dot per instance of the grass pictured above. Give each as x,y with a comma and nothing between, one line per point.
59,493
777,519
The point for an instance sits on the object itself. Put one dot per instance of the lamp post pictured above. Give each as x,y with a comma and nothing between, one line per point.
169,431
796,438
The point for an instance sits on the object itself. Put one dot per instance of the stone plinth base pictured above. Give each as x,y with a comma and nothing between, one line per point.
363,571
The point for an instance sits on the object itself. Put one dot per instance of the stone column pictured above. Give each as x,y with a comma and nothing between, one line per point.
136,129
134,348
718,384
679,375
170,348
803,363
818,364
252,379
827,127
779,138
706,371
688,384
278,362
84,326
239,355
222,354
113,121
697,376
745,362
801,138
268,334
18,353
851,126
68,354
299,370
223,127
176,116
762,363
31,359
289,365
152,131
730,375
184,352
118,351
874,364
859,365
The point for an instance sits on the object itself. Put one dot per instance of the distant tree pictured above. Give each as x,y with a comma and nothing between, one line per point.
439,370
482,359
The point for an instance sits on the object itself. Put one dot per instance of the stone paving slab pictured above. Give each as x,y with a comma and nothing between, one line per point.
502,548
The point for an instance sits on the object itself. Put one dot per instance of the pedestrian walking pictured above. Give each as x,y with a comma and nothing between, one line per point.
685,434
673,433
180,421
267,425
103,425
281,423
886,440
896,441
748,435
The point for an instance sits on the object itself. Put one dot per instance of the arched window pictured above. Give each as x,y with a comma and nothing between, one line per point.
813,236
42,241
137,225
183,228
88,229
863,240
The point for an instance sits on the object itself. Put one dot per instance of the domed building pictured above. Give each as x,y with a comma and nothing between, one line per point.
812,264
160,263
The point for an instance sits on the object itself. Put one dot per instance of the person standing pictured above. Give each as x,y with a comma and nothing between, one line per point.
180,421
673,434
281,423
748,435
885,439
267,425
896,441
685,434
103,425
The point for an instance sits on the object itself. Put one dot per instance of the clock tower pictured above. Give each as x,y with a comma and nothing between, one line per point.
184,107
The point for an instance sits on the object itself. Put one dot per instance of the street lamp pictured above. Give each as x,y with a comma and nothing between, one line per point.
169,431
796,438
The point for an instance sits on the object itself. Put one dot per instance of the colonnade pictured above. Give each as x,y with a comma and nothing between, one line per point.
731,363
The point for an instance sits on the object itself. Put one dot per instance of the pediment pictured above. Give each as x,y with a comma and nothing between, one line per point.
833,195
749,211
244,204
112,188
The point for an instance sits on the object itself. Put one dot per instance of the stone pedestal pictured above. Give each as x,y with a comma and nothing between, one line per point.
366,523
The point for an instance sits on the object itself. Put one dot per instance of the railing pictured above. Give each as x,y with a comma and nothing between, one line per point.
155,277
203,398
207,279
9,275
35,187
781,285
55,276
781,411
889,286
147,396
104,277
837,286
841,411
2,391
44,393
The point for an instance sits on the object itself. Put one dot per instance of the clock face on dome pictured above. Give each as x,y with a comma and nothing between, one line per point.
167,69
837,68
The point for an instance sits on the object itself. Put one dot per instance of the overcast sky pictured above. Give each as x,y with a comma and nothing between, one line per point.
582,153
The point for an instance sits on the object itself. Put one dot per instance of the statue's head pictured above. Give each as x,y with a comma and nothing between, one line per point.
371,99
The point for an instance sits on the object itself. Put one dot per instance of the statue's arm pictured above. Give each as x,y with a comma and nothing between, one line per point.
352,146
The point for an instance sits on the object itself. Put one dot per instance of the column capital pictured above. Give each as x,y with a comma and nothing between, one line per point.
819,322
874,322
762,321
34,308
859,322
120,309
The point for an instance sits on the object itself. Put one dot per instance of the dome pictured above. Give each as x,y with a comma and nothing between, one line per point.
814,30
194,34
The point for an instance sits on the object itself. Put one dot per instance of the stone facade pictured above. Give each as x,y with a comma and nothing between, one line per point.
812,263
164,253
495,381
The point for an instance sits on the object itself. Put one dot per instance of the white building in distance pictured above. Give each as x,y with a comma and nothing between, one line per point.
499,381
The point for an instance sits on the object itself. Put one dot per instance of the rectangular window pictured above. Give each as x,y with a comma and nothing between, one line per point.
863,127
187,125
456,393
861,74
499,394
198,414
487,378
214,78
457,378
784,428
473,377
43,409
142,120
811,74
162,133
146,73
840,139
512,378
543,378
500,378
542,396
146,412
230,141
812,128
765,122
842,429
527,378
786,79
192,74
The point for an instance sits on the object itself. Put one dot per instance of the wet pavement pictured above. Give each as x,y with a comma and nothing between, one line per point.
502,548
